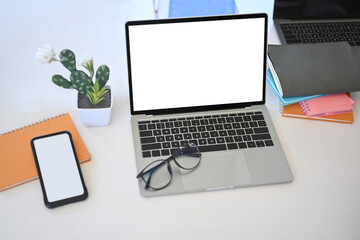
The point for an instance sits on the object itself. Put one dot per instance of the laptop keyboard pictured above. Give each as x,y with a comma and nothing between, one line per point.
322,32
208,132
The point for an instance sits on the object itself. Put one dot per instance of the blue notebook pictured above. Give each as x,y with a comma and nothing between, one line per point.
195,8
287,100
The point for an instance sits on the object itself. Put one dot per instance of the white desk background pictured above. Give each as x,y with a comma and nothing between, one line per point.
323,202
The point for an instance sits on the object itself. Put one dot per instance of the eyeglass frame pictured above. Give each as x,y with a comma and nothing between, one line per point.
167,161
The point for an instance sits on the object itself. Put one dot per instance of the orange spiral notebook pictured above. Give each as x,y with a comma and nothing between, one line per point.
295,111
17,165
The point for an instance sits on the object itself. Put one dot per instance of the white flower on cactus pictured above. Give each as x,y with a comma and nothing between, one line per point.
87,62
46,54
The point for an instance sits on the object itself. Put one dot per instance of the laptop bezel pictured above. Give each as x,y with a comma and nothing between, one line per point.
195,19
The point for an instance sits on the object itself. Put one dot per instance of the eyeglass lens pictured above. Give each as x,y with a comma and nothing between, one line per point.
158,174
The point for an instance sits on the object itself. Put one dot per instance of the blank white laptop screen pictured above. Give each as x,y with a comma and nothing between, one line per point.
201,63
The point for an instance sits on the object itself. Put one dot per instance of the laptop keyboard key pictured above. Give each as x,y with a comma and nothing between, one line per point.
205,135
261,136
166,145
251,144
261,130
201,129
242,145
231,132
240,132
187,136
292,41
166,131
184,130
160,139
214,134
178,137
249,131
155,153
145,133
210,148
196,135
160,125
232,146
152,146
146,154
260,144
169,138
253,124
193,129
223,133
147,140
269,143
238,139
142,127
247,118
157,132
175,130
257,117
219,127
202,142
247,138
239,119
261,123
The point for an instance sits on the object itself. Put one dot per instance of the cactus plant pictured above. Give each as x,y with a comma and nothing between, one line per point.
79,80
67,59
102,75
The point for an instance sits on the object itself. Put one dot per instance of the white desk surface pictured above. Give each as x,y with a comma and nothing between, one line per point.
323,201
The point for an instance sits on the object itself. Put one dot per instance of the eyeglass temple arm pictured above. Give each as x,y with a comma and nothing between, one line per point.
147,185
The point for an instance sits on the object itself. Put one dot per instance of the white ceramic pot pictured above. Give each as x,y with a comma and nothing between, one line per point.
96,117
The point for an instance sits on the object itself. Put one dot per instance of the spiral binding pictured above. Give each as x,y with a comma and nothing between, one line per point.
305,107
32,124
281,107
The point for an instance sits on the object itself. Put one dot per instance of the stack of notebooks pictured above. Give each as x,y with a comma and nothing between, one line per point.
311,81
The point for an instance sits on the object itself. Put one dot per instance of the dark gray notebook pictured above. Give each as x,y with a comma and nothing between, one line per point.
310,69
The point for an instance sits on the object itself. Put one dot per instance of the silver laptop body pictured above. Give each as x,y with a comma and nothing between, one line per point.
197,69
320,12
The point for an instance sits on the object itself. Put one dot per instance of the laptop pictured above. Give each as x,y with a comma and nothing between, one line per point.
317,21
202,80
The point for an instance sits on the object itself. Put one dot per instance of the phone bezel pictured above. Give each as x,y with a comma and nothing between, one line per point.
65,201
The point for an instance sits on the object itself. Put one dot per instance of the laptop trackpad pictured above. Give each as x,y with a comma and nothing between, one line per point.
218,170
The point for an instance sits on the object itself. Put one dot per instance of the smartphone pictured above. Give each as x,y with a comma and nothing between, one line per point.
58,169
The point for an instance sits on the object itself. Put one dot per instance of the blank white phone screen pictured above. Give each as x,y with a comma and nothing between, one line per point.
199,63
58,167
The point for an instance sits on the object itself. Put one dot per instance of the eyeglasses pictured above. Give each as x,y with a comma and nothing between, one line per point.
158,174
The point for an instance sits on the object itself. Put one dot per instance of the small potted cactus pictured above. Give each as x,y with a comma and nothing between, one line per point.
94,99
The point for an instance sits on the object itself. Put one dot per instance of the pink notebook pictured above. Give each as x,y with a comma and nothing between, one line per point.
327,105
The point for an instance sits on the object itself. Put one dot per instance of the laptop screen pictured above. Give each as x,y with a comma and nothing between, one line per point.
196,63
316,9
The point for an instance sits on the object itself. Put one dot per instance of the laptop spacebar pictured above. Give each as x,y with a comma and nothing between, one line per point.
211,148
